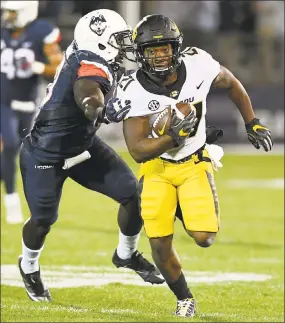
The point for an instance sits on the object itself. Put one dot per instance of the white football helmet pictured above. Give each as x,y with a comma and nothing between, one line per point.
26,12
105,33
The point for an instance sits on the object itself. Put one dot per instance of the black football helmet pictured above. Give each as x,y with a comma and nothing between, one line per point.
157,30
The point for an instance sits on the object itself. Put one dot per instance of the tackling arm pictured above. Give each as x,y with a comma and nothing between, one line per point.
89,98
136,132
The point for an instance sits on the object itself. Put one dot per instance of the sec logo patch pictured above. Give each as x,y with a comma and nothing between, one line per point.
153,105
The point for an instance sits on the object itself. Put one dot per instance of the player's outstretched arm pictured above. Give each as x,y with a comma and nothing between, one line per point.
258,134
89,98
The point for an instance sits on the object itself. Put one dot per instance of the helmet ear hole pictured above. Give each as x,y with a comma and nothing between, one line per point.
101,46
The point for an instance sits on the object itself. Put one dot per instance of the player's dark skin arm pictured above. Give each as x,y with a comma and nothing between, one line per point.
136,132
54,56
236,92
89,98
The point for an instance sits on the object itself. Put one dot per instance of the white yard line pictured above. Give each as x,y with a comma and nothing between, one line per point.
51,308
73,276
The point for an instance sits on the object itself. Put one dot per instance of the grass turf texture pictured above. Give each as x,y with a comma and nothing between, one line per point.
250,241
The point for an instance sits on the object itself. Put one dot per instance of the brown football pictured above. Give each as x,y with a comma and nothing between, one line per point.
160,122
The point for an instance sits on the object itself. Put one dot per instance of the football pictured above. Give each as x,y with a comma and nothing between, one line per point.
160,122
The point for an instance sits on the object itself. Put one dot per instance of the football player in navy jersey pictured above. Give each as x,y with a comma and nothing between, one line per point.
63,143
29,49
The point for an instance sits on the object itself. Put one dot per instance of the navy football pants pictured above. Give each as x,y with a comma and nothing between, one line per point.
15,125
105,172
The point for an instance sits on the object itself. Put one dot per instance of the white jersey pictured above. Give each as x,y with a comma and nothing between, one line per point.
201,69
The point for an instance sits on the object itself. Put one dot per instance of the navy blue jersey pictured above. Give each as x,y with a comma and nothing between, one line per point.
61,129
17,55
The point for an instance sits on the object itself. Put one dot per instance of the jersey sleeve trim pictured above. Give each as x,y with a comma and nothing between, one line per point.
53,37
88,68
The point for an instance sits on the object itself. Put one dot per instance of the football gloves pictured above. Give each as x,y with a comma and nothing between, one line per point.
180,129
259,135
213,134
116,110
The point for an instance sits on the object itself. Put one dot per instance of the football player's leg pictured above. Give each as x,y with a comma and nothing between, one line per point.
159,201
42,187
199,203
105,172
11,143
158,208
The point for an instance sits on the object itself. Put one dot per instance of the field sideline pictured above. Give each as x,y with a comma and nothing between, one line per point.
238,279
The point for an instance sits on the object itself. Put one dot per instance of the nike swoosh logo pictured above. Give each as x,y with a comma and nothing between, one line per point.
256,127
182,133
161,131
198,86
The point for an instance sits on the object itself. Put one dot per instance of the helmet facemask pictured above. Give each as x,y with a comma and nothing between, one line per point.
122,42
158,66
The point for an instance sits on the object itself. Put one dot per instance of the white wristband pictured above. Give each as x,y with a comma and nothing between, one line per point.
38,67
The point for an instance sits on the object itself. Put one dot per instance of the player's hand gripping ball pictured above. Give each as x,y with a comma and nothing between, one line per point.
161,121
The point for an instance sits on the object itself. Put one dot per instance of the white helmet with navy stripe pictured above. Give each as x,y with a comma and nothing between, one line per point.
25,12
105,33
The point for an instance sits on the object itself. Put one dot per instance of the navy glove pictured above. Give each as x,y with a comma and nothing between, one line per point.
116,110
259,135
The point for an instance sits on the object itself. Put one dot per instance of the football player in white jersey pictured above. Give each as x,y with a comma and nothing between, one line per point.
177,169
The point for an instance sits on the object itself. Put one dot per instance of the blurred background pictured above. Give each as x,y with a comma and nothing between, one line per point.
245,36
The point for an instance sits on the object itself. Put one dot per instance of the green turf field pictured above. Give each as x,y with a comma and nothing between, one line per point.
238,279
